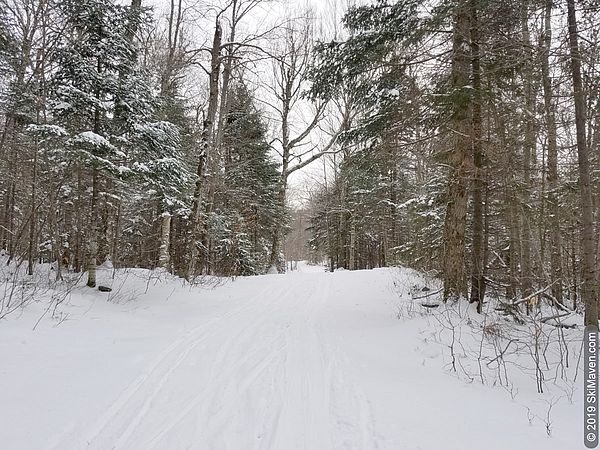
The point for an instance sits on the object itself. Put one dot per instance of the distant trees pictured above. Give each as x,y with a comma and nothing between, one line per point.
291,65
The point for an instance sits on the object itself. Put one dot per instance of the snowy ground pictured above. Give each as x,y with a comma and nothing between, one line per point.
309,360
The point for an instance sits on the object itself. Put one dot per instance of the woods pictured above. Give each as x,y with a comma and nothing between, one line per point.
456,138
106,157
491,119
274,224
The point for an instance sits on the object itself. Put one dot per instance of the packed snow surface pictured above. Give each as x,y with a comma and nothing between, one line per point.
308,360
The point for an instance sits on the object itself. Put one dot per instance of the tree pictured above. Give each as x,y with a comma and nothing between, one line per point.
291,68
479,239
246,197
105,104
460,131
552,162
589,289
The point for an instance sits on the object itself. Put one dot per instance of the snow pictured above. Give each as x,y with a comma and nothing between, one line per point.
93,139
62,106
307,360
408,203
272,270
54,130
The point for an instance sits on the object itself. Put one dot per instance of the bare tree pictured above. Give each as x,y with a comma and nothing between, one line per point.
294,146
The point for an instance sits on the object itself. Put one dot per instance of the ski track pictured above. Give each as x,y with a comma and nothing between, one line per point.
267,375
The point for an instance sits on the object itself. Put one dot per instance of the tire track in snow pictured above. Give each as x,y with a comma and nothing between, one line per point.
237,392
355,426
349,406
303,422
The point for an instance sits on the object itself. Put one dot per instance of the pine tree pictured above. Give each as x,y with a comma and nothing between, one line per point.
246,195
105,102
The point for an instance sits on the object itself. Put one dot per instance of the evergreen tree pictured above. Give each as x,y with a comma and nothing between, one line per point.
247,212
106,104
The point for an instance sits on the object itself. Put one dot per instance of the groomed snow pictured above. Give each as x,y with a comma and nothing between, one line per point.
308,360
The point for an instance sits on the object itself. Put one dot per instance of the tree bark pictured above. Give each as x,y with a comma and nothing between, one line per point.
528,152
207,139
589,291
33,215
477,256
552,162
165,239
93,239
226,77
274,258
352,262
94,217
456,211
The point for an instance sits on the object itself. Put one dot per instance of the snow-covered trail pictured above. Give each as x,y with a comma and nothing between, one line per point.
264,375
311,361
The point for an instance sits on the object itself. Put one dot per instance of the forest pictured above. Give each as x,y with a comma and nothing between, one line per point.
460,138
299,224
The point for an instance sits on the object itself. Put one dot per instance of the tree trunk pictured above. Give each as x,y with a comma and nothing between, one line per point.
116,234
528,152
274,259
589,290
94,217
165,239
552,163
352,243
33,215
477,257
456,211
77,258
207,143
286,97
93,239
226,78
514,250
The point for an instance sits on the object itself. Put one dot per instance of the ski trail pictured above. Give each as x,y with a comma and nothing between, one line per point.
267,375
303,422
223,370
354,422
302,361
148,385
